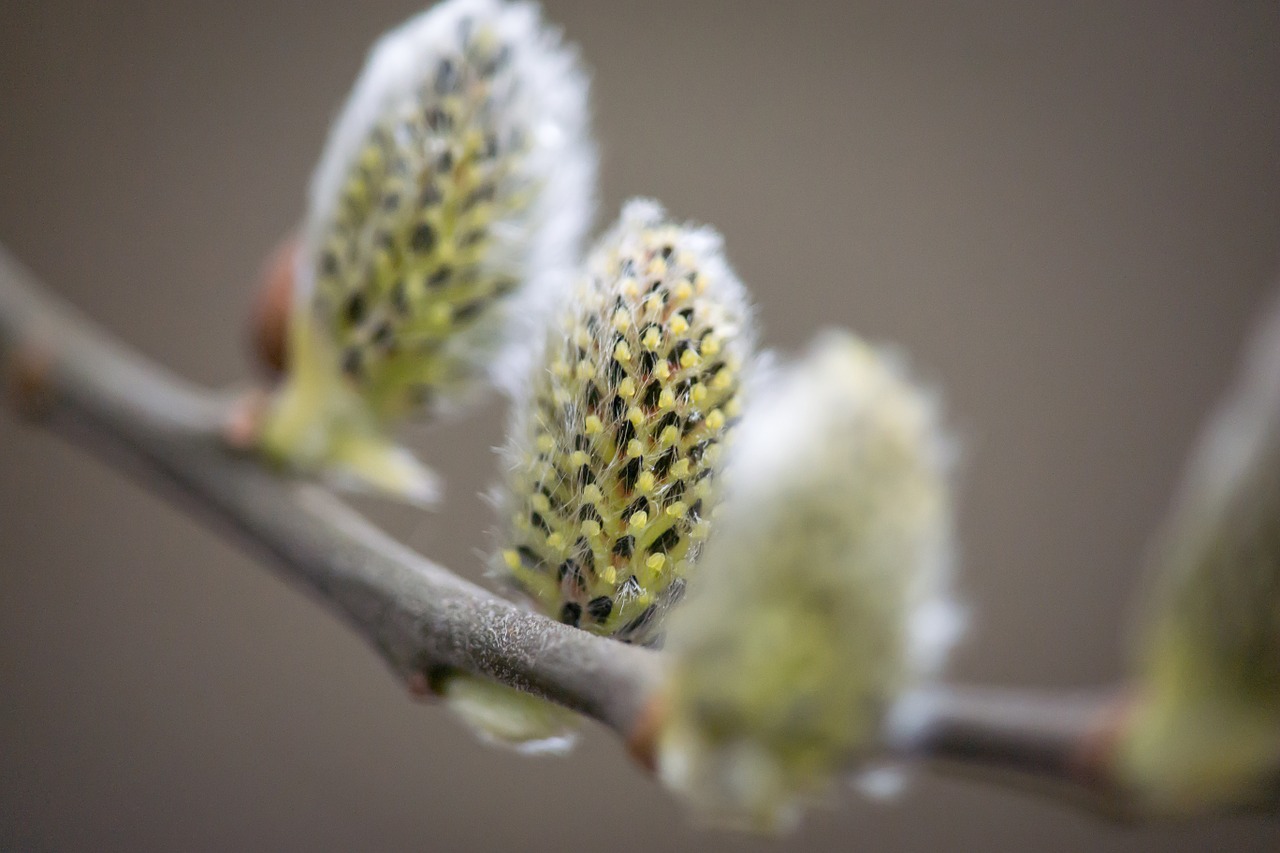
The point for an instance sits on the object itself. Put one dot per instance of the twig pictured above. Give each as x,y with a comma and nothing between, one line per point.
419,616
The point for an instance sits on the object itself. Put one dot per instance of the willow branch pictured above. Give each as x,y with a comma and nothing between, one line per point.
418,615
421,618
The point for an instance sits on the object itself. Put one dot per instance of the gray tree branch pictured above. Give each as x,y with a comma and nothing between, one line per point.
420,617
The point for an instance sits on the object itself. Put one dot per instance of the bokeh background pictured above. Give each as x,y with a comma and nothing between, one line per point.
1066,214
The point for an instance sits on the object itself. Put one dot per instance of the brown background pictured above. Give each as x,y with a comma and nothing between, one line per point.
1067,217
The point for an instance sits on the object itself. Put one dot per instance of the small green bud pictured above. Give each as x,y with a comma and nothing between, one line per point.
503,716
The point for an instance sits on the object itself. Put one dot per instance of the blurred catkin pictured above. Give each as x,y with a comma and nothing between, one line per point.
820,597
1205,729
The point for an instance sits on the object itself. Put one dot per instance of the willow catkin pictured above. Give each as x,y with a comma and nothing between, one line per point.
614,445
451,196
820,598
614,442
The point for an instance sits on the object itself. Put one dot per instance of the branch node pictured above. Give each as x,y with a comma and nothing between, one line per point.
243,423
272,306
30,380
642,740
1093,761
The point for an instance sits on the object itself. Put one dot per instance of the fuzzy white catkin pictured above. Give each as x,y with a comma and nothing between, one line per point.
450,202
1204,732
821,596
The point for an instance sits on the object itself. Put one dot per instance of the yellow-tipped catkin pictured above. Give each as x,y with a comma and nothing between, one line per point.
617,436
453,193
1204,733
820,597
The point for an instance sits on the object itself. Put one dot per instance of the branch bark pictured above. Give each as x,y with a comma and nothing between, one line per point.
421,618
418,615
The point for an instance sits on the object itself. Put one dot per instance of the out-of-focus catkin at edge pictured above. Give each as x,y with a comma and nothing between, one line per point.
1203,732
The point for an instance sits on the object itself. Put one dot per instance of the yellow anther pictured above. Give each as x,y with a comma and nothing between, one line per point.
592,425
689,358
627,387
511,558
698,392
645,482
656,562
679,325
635,416
622,352
677,509
683,292
555,540
635,448
546,443
609,575
630,288
578,458
439,315
621,319
591,528
710,345
638,520
662,370
583,371
715,420
666,399
652,338
540,502
680,468
669,436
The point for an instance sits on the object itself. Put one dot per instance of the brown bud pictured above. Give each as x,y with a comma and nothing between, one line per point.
29,380
271,307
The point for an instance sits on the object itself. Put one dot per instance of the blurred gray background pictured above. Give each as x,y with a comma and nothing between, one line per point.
1066,216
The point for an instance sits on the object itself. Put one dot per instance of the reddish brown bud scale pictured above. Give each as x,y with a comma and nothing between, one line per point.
272,306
